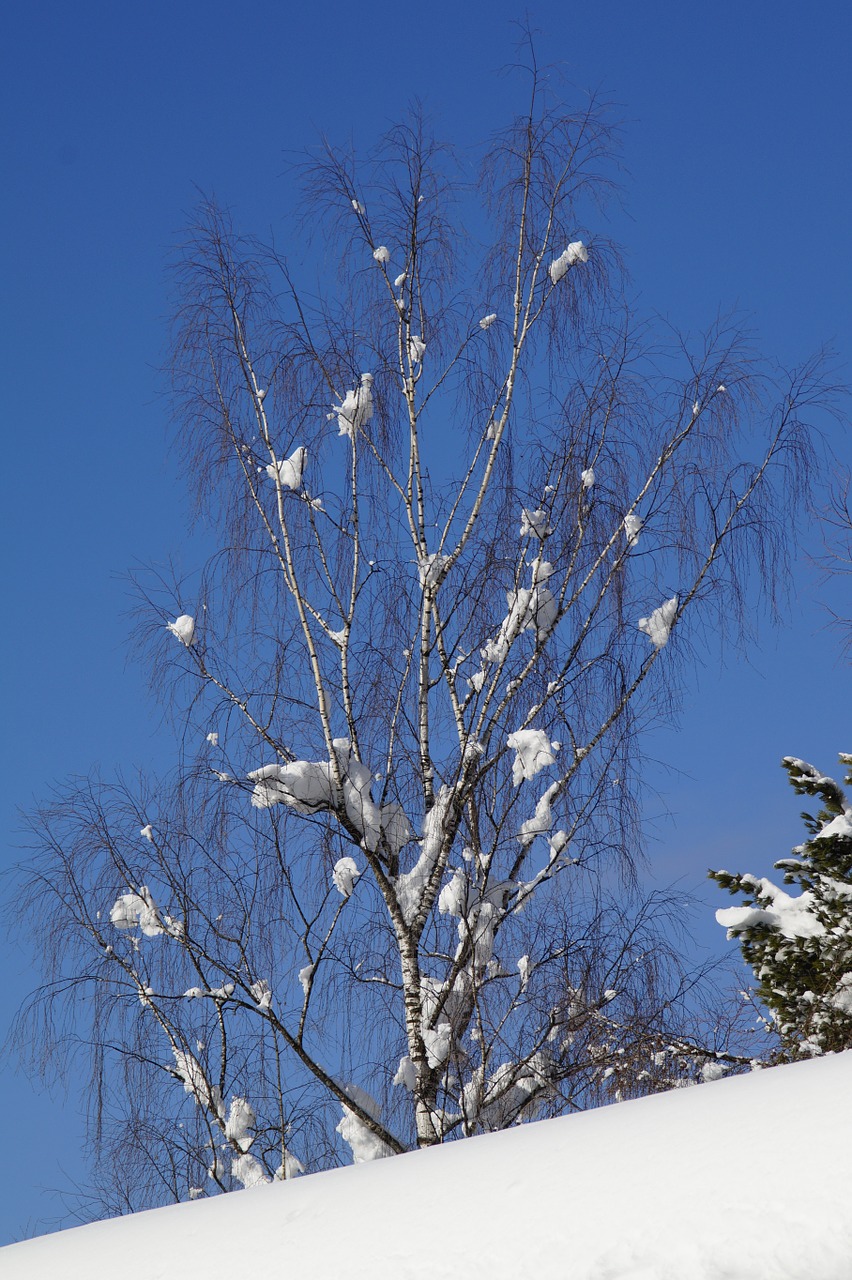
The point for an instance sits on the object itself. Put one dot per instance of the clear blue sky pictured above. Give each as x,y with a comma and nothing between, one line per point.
737,143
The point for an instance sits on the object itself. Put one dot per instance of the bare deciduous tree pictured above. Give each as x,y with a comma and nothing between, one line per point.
471,524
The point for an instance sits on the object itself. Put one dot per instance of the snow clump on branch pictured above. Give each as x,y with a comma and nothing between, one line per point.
183,628
382,254
288,471
632,528
659,625
138,910
416,349
530,609
194,1078
533,752
410,886
344,875
534,523
261,993
542,820
366,1145
356,407
430,569
576,252
309,787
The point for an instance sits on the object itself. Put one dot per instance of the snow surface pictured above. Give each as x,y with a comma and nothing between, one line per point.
741,1179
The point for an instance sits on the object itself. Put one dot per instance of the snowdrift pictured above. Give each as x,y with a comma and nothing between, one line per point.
741,1179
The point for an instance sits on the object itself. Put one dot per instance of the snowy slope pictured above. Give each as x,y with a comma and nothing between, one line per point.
742,1179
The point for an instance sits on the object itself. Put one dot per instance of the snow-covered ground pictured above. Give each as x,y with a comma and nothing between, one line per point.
741,1179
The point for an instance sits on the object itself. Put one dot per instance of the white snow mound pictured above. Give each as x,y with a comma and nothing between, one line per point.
741,1179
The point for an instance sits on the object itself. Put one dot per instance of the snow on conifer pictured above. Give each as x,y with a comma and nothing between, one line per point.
799,945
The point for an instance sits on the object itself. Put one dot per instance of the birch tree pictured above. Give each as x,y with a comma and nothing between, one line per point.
474,525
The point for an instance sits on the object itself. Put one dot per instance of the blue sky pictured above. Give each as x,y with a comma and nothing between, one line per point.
737,194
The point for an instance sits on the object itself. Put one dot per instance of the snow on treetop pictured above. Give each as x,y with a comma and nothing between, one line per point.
587,477
576,252
183,628
659,625
487,321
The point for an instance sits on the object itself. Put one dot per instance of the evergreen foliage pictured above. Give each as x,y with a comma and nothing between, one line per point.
800,947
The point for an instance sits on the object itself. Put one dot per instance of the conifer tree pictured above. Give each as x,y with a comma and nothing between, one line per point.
800,946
